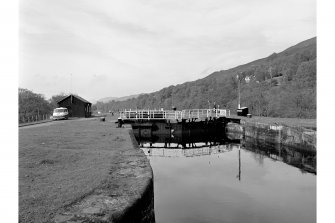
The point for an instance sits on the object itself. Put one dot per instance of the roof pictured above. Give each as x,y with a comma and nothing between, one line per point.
76,96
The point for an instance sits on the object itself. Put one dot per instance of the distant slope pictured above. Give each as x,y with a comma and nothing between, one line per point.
124,98
280,85
107,99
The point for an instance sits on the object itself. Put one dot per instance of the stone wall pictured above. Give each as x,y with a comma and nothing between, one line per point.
294,137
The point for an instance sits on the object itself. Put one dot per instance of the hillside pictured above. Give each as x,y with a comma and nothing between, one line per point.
280,85
109,99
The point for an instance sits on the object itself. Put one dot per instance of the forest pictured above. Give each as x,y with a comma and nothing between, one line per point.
280,85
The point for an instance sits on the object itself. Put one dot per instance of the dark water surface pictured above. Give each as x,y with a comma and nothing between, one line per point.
231,183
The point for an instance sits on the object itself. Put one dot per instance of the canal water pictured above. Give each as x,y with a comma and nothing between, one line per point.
232,182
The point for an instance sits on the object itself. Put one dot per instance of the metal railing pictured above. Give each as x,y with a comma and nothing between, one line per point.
170,114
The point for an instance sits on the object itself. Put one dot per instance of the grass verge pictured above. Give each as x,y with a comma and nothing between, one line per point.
64,161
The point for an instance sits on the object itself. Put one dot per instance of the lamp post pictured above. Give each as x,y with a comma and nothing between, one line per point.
239,93
239,164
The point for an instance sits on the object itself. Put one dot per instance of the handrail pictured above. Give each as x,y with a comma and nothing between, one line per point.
171,114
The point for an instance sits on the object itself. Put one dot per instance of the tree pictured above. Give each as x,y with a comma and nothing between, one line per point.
306,75
54,99
32,105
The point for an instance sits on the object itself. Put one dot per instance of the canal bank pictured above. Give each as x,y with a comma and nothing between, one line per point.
127,195
284,133
83,171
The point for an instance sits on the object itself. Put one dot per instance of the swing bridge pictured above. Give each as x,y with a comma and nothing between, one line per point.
187,114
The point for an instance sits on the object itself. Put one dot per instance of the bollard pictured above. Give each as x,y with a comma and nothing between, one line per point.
119,121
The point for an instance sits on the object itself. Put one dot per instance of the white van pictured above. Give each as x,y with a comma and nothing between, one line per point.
60,113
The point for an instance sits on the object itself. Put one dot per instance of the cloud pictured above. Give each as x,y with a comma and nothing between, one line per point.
147,45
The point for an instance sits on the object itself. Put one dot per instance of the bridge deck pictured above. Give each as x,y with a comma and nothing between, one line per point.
170,114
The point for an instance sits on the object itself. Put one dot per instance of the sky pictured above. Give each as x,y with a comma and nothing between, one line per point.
110,48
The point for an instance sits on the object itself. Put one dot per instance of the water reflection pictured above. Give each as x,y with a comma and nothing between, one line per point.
231,182
305,161
163,145
200,150
227,184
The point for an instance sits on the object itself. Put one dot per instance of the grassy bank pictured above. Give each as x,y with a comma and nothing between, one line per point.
63,161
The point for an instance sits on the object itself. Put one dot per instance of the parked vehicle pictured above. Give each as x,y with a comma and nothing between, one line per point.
60,113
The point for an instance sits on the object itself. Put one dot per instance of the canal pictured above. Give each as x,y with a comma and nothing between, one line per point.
232,182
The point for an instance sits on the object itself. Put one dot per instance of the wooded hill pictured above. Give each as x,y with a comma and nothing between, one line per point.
280,85
108,99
